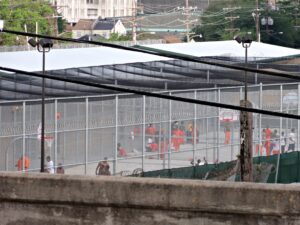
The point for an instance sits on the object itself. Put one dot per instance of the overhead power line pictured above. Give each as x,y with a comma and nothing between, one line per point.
157,52
153,94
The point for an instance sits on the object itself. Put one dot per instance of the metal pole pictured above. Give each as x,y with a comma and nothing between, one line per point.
218,130
260,116
280,130
144,136
55,134
195,129
43,118
86,133
170,133
207,124
159,132
116,137
246,64
24,136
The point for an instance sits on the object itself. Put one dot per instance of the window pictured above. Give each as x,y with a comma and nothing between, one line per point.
92,12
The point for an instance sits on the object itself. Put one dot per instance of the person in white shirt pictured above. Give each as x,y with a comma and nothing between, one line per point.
292,140
49,165
282,142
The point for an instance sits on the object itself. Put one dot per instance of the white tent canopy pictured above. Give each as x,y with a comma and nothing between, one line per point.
97,56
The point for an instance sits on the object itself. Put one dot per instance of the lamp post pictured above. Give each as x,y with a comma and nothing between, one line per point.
44,46
245,122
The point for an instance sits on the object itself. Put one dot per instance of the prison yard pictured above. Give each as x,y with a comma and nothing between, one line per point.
75,125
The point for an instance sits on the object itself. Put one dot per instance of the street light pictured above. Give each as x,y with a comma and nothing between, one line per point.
246,43
245,123
43,45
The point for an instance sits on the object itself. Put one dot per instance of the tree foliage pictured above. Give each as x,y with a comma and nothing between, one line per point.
224,19
20,13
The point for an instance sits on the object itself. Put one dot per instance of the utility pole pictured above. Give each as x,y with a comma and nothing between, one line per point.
232,18
257,23
134,19
187,12
187,19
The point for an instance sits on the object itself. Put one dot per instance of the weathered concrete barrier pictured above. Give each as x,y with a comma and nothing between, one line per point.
43,199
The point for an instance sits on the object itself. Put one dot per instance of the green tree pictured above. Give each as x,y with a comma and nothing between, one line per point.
18,13
224,19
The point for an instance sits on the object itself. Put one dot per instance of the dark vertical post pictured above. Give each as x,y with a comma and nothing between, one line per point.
246,64
43,118
246,131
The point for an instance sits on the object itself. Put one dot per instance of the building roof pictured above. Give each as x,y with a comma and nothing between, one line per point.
84,24
138,70
104,24
98,56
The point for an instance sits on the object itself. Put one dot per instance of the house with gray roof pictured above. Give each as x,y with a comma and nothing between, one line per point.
100,27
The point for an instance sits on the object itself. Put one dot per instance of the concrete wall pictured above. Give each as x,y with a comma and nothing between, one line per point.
37,199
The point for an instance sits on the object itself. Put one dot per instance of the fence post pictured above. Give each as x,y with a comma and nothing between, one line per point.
195,129
260,117
207,124
116,135
86,133
24,136
144,130
170,132
55,133
219,127
280,130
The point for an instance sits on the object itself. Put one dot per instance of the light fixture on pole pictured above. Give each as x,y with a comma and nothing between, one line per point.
44,46
245,122
246,43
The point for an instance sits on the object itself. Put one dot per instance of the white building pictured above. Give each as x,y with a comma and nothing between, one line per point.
102,27
73,10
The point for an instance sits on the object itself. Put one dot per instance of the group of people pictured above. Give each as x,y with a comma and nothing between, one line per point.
274,143
49,166
157,139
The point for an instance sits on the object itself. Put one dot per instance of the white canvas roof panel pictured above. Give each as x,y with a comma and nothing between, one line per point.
97,56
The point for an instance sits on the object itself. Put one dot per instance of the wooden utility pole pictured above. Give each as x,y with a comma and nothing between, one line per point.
187,20
134,19
257,22
246,143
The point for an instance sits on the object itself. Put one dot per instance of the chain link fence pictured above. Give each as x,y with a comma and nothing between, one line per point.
81,131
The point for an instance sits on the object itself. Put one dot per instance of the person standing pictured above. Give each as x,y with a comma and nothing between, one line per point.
49,165
282,142
103,168
227,135
268,134
292,140
19,164
121,151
